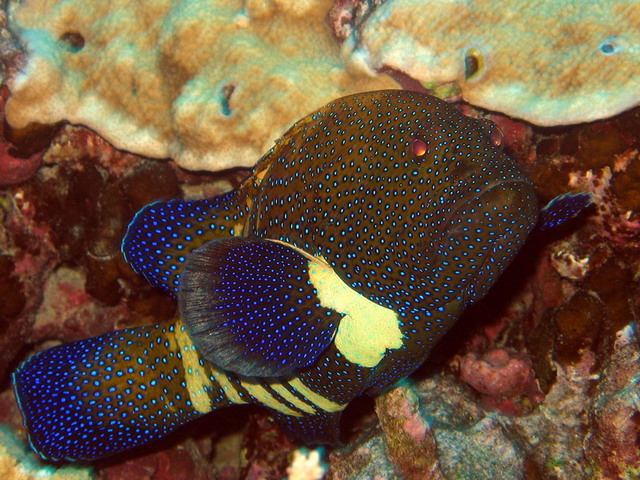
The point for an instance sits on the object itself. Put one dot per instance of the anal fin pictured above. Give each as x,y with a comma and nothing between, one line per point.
323,428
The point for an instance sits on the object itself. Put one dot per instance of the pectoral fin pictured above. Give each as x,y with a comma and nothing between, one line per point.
562,208
249,307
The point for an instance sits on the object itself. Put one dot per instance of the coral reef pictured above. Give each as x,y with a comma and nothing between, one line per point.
539,381
615,416
456,438
210,84
17,463
547,62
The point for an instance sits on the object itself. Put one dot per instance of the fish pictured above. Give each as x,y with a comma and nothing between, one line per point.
329,273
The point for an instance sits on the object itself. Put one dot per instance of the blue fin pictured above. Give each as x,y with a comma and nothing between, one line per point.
162,234
100,396
250,308
562,208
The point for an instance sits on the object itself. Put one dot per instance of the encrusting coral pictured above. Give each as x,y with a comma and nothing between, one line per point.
17,463
210,83
548,62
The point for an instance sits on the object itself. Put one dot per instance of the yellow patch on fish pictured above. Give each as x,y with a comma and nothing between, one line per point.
367,329
195,375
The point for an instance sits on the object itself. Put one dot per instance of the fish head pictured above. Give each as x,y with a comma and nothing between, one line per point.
398,192
477,205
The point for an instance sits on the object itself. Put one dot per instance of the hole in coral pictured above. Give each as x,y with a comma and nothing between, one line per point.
225,97
473,64
29,140
611,46
607,48
72,41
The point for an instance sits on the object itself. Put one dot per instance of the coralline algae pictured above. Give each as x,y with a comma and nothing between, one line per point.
550,62
209,83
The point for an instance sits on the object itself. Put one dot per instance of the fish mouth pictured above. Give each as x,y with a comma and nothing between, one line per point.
484,233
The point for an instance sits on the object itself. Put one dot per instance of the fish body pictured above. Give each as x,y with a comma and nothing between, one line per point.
331,272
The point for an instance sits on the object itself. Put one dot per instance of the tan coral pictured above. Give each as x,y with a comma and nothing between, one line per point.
550,62
209,83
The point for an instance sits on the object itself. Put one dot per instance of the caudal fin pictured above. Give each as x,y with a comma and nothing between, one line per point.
100,396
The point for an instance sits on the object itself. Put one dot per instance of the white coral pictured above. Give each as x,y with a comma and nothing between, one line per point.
306,466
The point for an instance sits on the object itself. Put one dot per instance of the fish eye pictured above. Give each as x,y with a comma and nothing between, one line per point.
418,147
611,46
